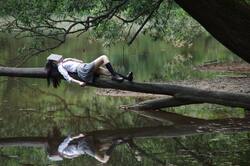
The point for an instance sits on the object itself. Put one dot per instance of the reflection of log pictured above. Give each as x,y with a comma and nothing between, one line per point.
179,92
213,126
24,141
169,117
225,126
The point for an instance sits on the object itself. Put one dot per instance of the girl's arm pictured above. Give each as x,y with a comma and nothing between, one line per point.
78,136
73,59
81,83
67,77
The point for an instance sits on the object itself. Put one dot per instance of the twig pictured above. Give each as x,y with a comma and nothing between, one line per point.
145,21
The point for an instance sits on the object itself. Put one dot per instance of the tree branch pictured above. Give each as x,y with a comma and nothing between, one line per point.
145,21
159,103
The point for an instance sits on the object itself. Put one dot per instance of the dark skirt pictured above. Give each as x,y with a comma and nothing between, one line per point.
85,72
87,146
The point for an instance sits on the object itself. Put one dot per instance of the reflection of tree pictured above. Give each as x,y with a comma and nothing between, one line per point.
142,133
140,151
204,160
66,106
208,126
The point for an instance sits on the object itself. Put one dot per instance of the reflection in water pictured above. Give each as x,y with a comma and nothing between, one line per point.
76,146
99,144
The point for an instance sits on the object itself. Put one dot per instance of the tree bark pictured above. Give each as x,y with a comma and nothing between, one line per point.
159,103
227,20
181,93
23,72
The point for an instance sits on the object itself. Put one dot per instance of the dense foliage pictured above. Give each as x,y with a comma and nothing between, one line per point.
107,19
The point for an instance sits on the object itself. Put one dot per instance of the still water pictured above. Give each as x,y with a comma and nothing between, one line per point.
30,110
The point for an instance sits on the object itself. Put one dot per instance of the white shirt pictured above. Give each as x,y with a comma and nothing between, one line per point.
69,151
68,65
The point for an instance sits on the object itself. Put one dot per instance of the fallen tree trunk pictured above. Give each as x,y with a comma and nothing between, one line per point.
181,93
154,104
23,72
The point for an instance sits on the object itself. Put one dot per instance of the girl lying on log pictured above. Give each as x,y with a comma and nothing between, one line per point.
85,71
79,145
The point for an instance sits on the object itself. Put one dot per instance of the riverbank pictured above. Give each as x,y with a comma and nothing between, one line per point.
232,77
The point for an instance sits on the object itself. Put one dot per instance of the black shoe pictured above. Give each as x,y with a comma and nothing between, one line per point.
117,78
130,76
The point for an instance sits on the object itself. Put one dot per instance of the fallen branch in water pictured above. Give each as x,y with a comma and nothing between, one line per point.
158,103
169,118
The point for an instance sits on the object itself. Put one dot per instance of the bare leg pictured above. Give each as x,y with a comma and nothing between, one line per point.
104,146
102,157
109,147
102,71
102,60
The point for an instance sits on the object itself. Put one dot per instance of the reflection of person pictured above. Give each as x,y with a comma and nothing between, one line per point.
85,71
79,145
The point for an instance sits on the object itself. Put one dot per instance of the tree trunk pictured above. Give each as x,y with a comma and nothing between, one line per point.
158,103
184,94
227,20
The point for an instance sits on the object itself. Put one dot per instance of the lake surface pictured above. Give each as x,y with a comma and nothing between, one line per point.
30,109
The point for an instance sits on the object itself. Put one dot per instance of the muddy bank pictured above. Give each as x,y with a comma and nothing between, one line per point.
231,84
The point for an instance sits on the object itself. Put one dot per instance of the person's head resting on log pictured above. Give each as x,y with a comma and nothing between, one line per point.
85,71
79,145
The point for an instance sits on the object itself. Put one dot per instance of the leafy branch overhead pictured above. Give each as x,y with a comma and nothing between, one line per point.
53,21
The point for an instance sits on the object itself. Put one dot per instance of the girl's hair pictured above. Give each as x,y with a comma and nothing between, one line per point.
54,140
51,69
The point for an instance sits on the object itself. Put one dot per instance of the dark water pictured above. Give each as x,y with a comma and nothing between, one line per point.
29,109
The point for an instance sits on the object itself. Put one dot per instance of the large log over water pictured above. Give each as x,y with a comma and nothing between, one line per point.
23,72
185,95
